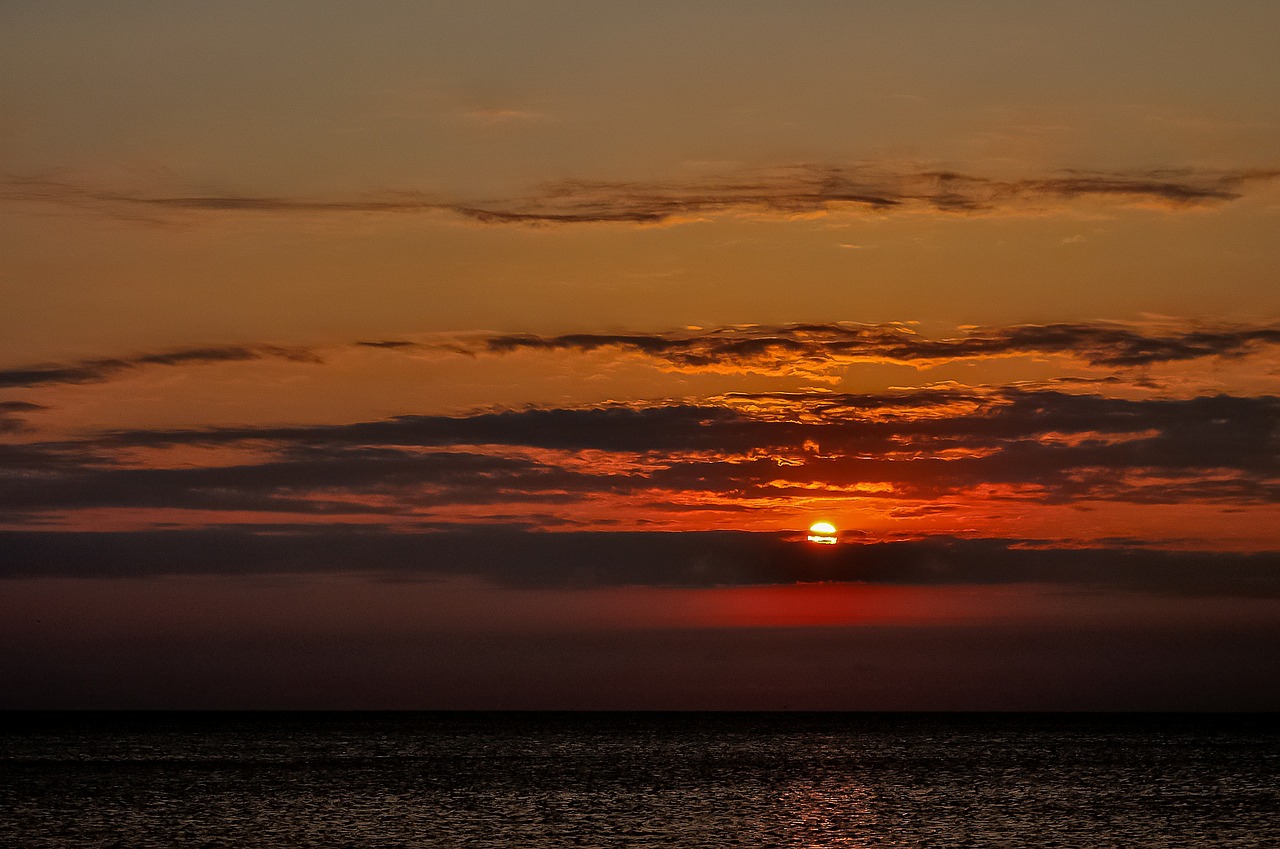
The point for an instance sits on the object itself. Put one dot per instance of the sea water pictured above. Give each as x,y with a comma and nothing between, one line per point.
638,780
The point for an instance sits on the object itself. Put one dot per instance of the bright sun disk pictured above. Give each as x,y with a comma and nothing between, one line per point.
822,532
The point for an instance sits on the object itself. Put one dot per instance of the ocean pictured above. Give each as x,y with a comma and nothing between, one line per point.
535,780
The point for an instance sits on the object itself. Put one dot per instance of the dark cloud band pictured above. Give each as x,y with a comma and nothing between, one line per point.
785,191
741,452
99,370
817,346
792,348
583,559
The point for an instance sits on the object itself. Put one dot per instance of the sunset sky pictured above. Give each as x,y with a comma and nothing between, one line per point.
500,354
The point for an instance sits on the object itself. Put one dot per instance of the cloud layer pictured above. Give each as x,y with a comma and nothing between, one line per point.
806,349
799,190
800,347
915,452
585,559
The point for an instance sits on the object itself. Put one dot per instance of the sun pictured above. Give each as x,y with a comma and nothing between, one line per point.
823,532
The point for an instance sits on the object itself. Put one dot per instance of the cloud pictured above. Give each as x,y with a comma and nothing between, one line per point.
738,452
585,559
816,347
499,117
349,480
813,349
798,190
130,204
11,420
389,344
814,190
99,370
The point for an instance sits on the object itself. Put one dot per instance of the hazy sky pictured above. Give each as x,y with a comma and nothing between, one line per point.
498,354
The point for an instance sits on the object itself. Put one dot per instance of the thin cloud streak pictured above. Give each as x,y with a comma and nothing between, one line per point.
803,349
799,190
809,347
104,369
11,415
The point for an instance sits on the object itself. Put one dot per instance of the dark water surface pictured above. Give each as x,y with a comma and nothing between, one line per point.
638,780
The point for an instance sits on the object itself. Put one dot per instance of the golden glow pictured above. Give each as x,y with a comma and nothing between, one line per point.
823,532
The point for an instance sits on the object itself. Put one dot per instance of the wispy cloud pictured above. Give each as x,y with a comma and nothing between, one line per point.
810,347
499,116
102,369
799,190
11,414
806,349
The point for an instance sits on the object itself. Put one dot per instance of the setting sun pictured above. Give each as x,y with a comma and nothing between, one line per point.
822,532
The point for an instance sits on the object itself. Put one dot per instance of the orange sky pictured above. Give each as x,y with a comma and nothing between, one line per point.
512,294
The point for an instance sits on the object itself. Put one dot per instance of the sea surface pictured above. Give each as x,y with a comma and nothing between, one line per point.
638,780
